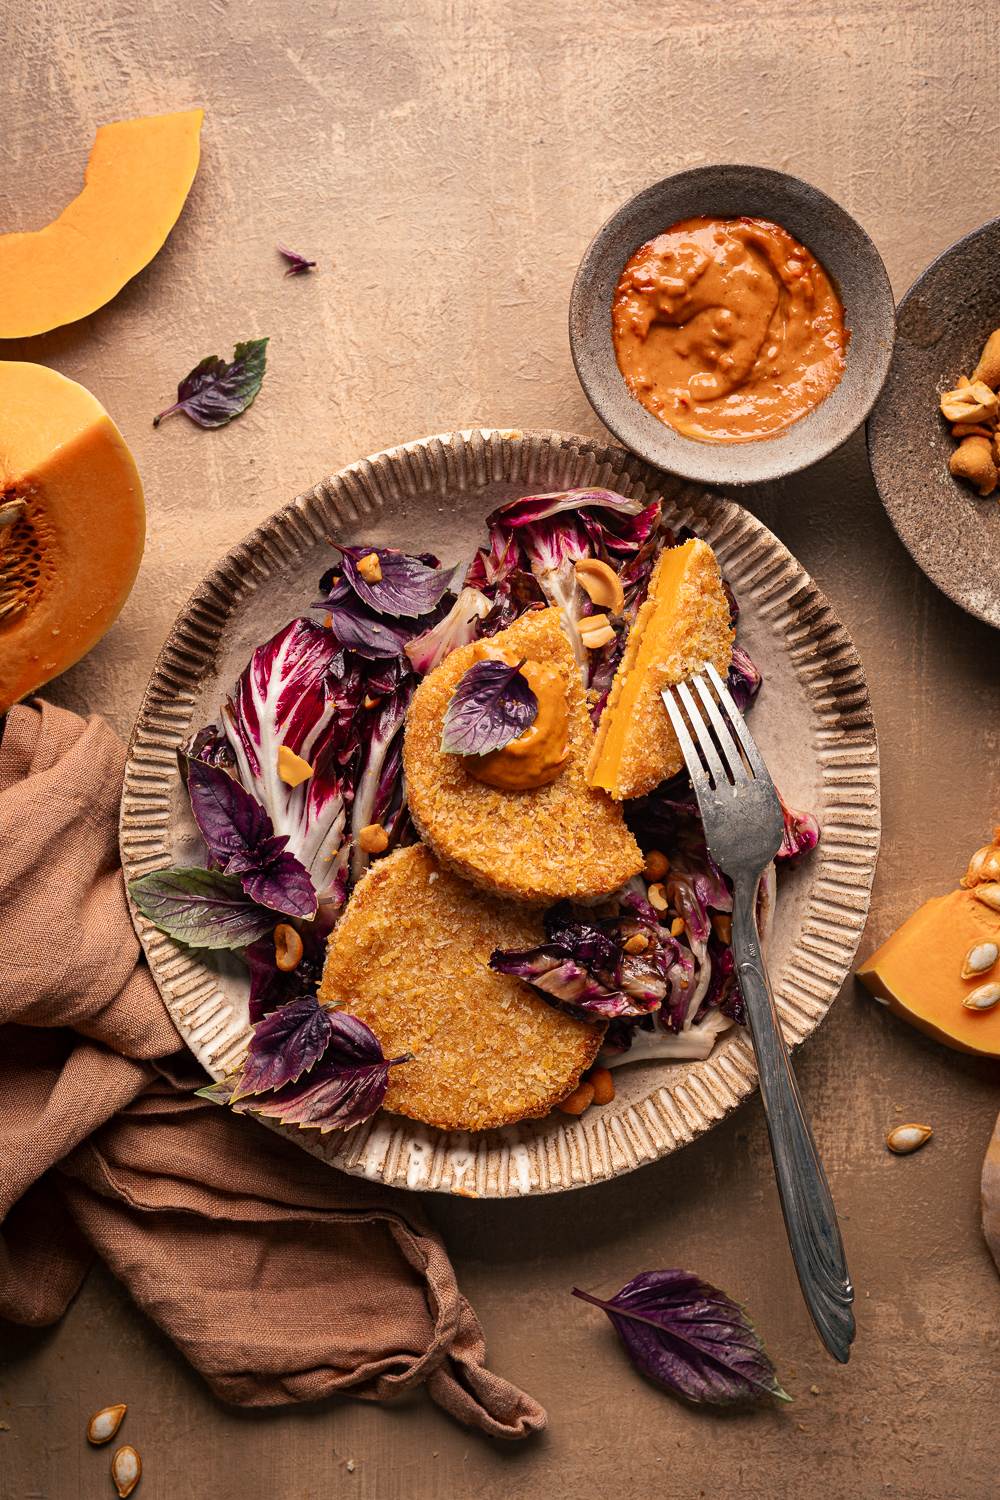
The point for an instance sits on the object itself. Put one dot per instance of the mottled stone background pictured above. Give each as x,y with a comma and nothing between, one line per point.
447,161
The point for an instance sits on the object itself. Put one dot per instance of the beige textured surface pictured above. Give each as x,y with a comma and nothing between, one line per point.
447,163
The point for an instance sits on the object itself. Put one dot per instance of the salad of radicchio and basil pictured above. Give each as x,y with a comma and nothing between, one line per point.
305,758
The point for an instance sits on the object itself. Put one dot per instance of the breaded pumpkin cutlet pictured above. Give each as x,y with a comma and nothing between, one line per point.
539,845
410,958
683,623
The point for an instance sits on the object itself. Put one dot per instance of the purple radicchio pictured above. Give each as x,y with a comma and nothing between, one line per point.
535,543
583,967
342,1085
298,691
801,833
457,628
743,679
690,1338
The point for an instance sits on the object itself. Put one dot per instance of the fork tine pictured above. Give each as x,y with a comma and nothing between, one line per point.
699,780
738,725
728,745
715,767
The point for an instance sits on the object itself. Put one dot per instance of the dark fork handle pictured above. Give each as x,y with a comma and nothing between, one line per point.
810,1217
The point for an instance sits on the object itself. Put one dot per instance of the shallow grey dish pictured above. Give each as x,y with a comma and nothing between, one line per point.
944,321
838,242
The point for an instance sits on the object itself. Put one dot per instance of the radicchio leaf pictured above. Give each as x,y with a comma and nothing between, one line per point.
801,833
407,587
583,967
492,705
691,1339
458,627
743,679
283,1046
215,392
297,264
239,836
202,908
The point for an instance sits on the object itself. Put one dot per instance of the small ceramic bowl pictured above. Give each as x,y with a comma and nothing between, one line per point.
944,321
728,192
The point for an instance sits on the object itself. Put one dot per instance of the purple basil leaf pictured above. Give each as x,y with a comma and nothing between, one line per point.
297,264
215,392
283,883
357,629
283,1046
229,819
201,908
345,1088
492,705
801,833
239,836
691,1339
408,587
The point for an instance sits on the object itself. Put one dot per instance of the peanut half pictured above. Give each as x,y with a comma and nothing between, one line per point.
601,584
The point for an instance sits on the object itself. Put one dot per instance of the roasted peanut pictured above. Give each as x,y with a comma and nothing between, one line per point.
373,839
972,460
603,1085
657,865
657,896
288,948
580,1099
370,569
601,584
988,368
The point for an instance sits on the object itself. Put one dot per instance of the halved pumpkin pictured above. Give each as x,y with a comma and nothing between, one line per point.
135,184
72,525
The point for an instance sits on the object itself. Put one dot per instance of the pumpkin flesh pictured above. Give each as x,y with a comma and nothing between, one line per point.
69,559
135,184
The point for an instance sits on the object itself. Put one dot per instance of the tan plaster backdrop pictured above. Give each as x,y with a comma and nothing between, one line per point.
447,163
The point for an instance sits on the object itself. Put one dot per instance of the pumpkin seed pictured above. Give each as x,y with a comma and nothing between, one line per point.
984,997
105,1423
980,958
988,894
126,1470
902,1139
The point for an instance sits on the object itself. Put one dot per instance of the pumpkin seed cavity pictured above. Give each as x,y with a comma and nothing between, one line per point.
25,556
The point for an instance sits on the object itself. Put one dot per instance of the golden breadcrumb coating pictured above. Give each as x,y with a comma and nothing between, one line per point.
538,846
410,958
683,622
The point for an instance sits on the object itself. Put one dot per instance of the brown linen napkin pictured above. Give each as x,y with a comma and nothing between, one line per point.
280,1279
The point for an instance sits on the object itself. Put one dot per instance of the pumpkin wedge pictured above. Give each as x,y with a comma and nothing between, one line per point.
945,954
72,525
135,184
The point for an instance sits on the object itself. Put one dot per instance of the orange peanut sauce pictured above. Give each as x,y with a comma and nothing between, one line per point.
538,755
728,330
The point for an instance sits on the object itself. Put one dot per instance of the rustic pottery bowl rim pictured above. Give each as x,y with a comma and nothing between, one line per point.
825,714
948,552
834,236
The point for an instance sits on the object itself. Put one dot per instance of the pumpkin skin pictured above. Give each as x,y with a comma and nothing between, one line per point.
137,178
69,556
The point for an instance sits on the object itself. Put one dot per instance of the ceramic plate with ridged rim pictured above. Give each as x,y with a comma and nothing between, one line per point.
813,722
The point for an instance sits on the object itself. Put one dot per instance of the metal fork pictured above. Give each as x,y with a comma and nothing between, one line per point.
743,827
